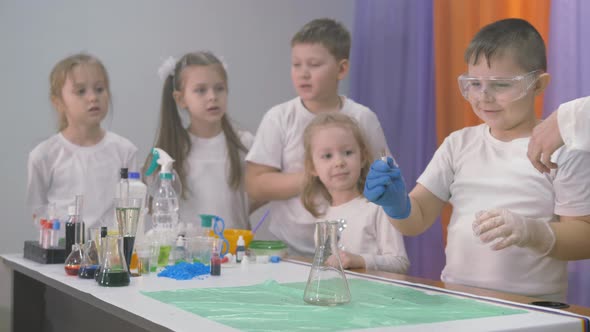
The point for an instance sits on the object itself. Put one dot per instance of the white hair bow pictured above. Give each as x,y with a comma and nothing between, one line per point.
167,68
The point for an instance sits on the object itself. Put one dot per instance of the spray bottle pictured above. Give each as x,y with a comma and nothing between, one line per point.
164,205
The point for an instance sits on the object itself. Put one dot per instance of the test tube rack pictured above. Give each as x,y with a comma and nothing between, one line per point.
53,255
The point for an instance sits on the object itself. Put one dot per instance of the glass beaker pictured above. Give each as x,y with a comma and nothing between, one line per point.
72,264
113,271
128,211
327,283
89,265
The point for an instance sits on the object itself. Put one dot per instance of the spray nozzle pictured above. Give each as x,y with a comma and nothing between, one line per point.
160,157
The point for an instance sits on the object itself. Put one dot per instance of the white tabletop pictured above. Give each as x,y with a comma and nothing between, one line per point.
129,304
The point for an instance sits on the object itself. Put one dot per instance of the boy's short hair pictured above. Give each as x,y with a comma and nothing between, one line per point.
515,36
328,32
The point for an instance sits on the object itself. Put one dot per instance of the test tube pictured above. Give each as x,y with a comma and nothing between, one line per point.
41,229
79,226
47,229
55,233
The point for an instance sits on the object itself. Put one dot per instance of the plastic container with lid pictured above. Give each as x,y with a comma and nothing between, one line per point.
268,248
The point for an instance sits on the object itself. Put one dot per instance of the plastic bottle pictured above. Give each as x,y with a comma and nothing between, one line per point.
138,189
165,200
164,204
240,249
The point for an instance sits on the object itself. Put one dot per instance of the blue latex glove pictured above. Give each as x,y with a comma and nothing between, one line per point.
385,186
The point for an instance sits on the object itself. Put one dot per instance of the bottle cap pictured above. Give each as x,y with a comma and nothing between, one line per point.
72,210
134,175
56,224
275,259
241,241
206,220
124,173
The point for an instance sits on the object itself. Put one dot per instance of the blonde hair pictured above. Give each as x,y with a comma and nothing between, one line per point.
60,72
173,138
312,184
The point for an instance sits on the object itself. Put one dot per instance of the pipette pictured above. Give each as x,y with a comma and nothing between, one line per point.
384,158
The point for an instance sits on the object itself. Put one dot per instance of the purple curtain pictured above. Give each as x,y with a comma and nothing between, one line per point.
569,67
392,72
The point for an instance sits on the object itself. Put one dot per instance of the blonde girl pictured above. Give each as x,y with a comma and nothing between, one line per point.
82,158
337,160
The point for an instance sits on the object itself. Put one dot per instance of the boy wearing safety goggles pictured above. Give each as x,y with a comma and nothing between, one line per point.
512,227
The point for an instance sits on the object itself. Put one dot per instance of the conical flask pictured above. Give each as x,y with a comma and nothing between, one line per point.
72,264
327,283
89,265
113,270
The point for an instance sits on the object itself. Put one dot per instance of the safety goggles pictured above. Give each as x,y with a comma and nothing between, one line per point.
499,89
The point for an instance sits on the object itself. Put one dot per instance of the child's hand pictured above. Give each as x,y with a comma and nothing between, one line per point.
348,261
514,230
385,186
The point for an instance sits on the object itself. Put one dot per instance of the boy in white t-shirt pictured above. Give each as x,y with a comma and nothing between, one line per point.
569,125
512,228
274,171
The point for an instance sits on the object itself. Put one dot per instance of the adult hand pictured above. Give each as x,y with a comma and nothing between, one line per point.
513,229
385,186
545,140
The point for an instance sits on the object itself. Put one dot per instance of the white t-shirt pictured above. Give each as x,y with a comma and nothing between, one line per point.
279,144
208,192
369,233
573,119
474,171
58,170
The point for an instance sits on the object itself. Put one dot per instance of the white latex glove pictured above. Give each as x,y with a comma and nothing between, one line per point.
513,229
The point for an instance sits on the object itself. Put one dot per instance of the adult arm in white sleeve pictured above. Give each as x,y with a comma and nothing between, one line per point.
573,119
569,125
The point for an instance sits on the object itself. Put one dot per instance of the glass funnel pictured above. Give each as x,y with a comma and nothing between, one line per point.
327,283
114,270
127,211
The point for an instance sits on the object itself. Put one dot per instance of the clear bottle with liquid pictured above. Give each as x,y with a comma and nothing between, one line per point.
327,284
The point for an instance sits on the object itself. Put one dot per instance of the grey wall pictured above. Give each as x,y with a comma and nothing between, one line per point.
132,37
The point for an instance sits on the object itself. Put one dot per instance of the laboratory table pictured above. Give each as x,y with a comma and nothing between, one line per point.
130,310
